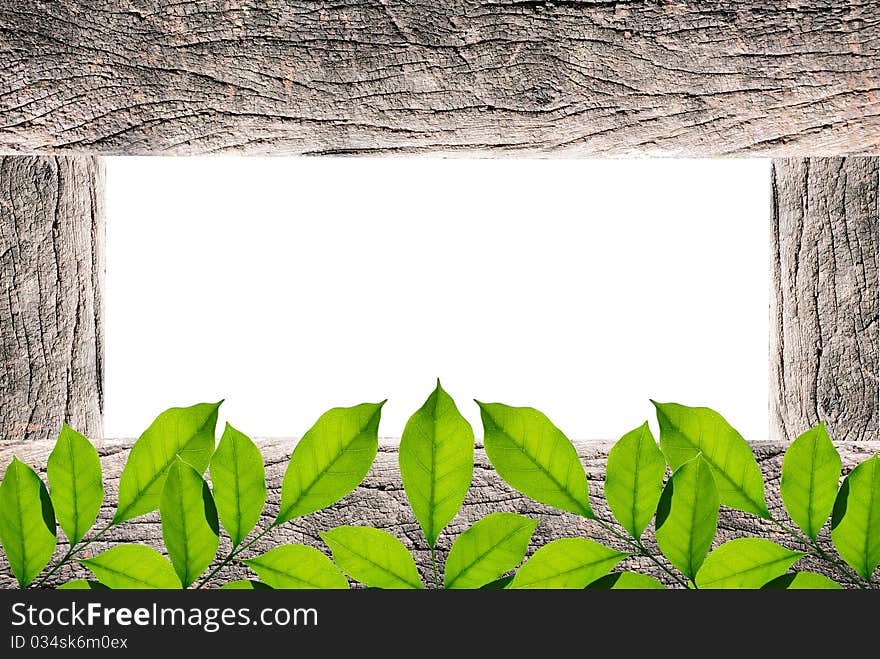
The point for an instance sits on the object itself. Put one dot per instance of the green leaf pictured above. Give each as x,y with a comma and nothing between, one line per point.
567,563
373,557
634,479
245,584
187,432
688,431
687,516
810,473
239,480
627,581
745,563
75,486
133,567
855,522
82,584
27,522
533,456
330,460
802,581
436,462
492,546
297,567
189,522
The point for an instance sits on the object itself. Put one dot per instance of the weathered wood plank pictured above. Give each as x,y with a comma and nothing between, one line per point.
51,313
381,502
499,77
825,337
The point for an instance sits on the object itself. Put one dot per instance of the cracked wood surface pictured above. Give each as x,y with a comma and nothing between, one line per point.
51,313
497,77
824,336
380,502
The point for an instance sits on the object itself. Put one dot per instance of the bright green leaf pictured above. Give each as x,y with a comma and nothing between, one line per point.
855,522
533,456
436,462
745,563
245,584
75,486
185,432
688,431
810,473
330,460
687,516
567,563
133,567
373,557
492,546
802,581
634,479
189,522
27,522
297,567
239,480
82,584
627,581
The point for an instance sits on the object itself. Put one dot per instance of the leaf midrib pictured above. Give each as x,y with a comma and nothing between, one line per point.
383,568
636,471
18,494
533,459
161,472
287,575
184,525
712,463
122,573
73,496
754,568
483,555
580,566
815,448
305,490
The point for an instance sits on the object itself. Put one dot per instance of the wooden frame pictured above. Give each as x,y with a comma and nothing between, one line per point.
799,82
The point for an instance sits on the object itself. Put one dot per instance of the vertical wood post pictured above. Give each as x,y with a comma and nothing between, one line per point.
824,308
51,287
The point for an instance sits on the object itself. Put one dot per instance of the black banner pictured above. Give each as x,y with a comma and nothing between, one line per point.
61,622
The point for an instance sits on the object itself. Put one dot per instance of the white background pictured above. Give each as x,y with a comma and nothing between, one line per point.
582,288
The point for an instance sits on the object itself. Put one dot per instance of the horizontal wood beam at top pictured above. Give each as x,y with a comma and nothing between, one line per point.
381,502
581,78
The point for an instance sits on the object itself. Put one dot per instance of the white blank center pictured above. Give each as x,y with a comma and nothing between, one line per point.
582,288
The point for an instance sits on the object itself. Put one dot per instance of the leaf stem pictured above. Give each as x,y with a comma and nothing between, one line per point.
434,564
642,550
235,551
821,553
73,551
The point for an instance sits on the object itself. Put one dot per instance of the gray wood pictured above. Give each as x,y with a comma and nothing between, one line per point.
826,296
51,314
380,502
506,77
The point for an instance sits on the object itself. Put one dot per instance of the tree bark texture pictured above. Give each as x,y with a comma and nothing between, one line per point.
492,77
826,296
51,313
380,501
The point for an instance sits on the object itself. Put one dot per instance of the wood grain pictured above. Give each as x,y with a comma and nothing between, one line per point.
381,502
51,313
477,77
825,338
